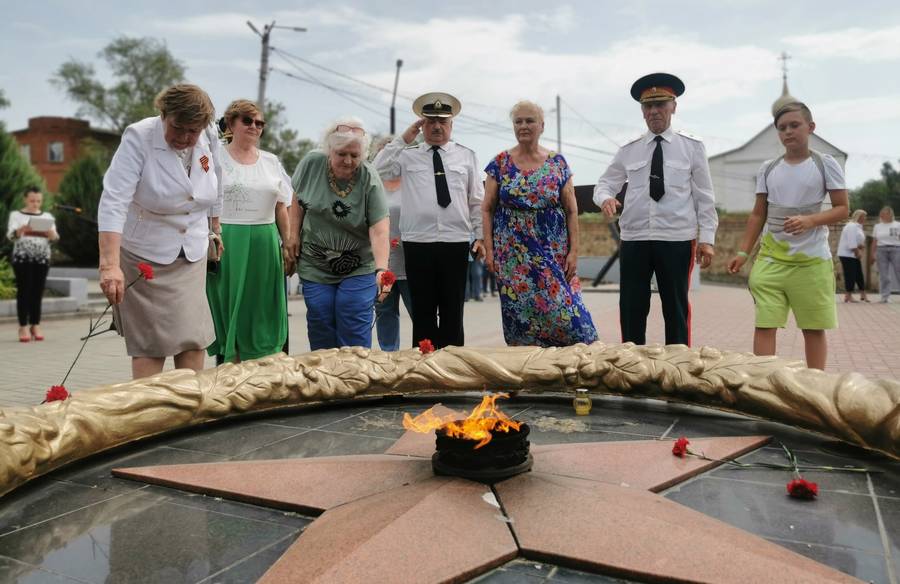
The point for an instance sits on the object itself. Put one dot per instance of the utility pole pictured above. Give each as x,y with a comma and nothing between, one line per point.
558,126
394,97
264,58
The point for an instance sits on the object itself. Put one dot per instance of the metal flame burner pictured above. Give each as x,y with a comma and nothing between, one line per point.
506,455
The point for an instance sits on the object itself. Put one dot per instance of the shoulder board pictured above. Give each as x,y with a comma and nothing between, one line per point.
633,140
412,146
458,145
689,136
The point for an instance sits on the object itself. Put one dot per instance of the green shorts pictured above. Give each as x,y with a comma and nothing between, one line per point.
807,289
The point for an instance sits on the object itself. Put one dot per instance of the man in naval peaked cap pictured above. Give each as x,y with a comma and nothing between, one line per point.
669,216
440,214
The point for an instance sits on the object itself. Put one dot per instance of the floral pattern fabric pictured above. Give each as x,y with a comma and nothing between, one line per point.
530,241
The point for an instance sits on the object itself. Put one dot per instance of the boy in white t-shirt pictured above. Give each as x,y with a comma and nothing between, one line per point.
794,270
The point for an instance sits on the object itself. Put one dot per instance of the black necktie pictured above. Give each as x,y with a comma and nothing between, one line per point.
440,179
657,186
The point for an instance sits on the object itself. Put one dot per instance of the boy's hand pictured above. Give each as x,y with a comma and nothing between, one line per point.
798,224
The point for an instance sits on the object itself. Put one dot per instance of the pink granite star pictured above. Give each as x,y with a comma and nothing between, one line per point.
592,506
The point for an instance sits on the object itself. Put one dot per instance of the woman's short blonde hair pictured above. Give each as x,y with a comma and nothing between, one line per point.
334,140
239,108
523,105
854,218
889,209
186,104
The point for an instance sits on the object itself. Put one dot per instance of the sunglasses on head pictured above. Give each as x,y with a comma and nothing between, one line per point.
343,129
248,121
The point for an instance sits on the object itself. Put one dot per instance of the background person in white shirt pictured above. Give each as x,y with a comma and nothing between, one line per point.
440,209
850,249
669,216
886,235
162,197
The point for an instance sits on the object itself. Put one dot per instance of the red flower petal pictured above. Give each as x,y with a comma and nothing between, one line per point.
395,243
425,346
680,448
146,270
802,489
388,278
56,393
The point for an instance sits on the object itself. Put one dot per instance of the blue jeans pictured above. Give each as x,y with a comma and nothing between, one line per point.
387,316
473,283
340,315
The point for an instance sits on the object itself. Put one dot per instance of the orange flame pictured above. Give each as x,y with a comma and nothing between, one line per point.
478,426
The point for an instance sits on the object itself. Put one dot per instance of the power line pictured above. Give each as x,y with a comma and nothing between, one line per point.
589,123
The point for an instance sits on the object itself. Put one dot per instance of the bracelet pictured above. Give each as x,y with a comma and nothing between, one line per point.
743,254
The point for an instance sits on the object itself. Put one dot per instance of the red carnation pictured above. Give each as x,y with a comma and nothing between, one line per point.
388,278
56,393
146,270
425,346
680,447
395,243
802,489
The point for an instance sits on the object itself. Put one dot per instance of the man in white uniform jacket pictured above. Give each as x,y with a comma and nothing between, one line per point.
669,216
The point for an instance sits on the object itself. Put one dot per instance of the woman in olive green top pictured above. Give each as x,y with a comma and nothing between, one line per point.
341,226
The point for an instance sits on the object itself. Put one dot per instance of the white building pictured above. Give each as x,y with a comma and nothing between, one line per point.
734,172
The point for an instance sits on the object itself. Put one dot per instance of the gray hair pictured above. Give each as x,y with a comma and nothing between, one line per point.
525,104
332,139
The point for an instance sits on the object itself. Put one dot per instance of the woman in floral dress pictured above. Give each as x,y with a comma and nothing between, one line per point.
531,236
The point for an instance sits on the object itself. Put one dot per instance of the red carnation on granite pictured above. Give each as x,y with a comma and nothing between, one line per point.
56,393
146,270
680,448
395,243
425,346
803,489
388,278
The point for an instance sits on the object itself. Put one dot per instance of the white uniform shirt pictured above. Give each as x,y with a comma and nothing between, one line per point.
252,190
887,234
688,205
852,236
149,198
422,220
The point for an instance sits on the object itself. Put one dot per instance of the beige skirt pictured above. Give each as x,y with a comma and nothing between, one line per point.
167,315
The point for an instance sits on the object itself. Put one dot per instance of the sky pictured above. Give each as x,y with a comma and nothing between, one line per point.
844,60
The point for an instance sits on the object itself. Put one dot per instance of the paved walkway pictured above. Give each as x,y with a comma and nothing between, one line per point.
868,340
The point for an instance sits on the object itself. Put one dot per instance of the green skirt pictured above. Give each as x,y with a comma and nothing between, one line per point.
247,296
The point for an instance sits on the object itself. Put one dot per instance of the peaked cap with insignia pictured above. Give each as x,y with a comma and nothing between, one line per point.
657,87
436,105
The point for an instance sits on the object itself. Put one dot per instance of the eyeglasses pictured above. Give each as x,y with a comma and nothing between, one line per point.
248,121
343,129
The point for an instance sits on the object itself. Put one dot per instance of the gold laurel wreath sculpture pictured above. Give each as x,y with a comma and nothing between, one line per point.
36,440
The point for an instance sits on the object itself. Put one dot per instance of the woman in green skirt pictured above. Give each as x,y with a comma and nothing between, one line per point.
247,293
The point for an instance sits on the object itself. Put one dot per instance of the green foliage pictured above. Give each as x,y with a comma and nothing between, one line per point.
81,187
281,141
3,101
875,194
16,173
141,67
7,281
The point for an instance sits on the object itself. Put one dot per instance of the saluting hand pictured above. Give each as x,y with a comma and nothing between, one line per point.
411,132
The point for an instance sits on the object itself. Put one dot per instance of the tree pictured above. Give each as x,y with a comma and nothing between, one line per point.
16,173
80,189
4,103
142,67
877,193
281,141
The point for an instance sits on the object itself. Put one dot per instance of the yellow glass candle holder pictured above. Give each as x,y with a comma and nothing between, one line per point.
582,402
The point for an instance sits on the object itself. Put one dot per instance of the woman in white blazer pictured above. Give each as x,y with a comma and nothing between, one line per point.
161,201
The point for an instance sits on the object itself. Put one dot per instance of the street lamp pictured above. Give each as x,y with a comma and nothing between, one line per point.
394,97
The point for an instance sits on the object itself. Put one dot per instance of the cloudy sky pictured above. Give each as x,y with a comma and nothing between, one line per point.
845,57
